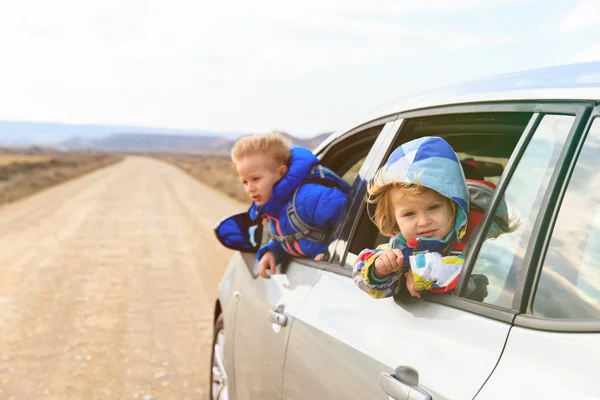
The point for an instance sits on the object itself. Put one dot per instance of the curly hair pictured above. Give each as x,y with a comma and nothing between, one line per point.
270,144
378,193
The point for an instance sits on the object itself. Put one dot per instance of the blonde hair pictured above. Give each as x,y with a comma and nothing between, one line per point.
384,217
270,144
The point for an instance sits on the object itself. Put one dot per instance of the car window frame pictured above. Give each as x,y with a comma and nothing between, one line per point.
347,228
527,319
580,110
383,140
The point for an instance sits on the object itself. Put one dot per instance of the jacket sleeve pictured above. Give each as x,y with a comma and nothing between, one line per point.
320,206
331,208
431,271
365,278
276,248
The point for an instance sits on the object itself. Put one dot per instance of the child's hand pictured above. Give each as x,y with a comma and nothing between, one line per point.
388,262
410,285
267,261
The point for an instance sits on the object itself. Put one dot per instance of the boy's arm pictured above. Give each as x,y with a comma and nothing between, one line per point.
365,278
274,247
331,207
321,206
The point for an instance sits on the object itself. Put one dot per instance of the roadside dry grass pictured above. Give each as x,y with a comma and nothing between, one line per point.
23,174
218,171
9,158
214,170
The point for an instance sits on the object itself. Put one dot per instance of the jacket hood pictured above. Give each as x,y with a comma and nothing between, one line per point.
430,162
301,162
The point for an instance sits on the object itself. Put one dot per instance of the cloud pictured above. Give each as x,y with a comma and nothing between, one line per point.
583,15
591,53
385,7
194,64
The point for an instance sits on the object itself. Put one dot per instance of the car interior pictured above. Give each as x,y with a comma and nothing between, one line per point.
483,141
346,156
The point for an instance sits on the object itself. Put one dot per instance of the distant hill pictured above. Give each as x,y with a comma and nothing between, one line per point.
48,133
22,134
161,143
145,142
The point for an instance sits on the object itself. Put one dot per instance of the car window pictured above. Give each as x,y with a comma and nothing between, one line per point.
350,175
353,157
501,255
482,168
569,285
483,141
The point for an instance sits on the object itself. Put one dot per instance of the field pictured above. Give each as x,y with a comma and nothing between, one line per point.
214,170
6,159
23,173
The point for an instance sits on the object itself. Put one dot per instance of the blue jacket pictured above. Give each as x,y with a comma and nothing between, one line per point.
317,205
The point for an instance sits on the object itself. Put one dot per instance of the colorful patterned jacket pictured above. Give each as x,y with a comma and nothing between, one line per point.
445,268
436,264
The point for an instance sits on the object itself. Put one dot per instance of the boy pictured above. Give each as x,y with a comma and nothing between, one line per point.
298,200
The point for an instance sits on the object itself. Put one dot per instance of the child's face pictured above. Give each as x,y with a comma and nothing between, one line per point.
259,173
426,215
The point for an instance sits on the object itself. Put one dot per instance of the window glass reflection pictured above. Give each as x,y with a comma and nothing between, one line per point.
569,286
501,255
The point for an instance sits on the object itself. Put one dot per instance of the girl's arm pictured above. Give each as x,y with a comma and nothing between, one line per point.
365,278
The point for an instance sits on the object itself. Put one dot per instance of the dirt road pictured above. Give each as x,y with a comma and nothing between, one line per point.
107,285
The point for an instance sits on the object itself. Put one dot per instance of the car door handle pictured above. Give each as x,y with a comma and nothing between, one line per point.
403,384
278,318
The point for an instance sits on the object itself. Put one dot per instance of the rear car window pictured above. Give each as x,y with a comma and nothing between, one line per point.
500,258
569,285
351,175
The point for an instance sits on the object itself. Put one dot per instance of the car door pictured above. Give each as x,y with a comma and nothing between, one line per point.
345,344
265,313
553,350
266,309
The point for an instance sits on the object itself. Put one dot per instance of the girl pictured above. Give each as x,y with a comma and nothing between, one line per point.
421,201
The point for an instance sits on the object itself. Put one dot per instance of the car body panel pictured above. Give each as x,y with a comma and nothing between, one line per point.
338,340
343,340
546,365
227,298
566,82
259,344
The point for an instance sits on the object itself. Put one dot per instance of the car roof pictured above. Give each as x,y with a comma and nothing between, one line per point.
563,82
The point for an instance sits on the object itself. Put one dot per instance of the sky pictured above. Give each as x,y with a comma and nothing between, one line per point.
302,67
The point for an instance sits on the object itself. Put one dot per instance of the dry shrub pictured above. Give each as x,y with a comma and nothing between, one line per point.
213,170
21,178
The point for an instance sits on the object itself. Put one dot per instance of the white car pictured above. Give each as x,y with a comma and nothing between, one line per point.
310,333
